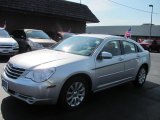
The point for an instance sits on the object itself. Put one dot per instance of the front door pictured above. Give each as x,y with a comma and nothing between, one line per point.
109,71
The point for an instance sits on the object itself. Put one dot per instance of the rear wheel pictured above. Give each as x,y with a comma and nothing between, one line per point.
74,93
141,77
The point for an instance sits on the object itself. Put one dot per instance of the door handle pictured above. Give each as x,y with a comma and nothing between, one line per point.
138,56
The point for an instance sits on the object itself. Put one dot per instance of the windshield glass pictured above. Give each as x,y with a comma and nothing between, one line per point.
4,34
80,45
38,34
147,41
67,35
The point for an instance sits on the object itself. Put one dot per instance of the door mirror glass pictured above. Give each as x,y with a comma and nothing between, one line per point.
106,55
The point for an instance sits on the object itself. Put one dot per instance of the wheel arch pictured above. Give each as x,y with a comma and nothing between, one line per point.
86,76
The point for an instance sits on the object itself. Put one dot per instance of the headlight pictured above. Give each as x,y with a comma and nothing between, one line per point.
35,45
40,75
16,45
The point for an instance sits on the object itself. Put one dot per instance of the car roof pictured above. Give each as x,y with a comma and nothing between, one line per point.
66,33
32,30
28,29
101,36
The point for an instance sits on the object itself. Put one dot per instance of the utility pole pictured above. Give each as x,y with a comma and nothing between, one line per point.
151,22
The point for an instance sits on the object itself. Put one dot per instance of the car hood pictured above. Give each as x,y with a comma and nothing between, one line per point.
42,40
32,59
8,41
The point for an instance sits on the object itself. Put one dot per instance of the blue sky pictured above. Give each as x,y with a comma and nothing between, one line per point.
110,13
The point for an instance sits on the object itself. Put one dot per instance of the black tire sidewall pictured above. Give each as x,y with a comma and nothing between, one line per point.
136,81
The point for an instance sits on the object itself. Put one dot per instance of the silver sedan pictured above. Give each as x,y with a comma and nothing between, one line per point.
69,71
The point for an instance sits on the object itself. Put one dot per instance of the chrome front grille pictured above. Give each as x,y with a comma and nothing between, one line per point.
6,46
13,72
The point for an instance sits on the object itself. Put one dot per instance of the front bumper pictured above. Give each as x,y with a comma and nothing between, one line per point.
9,51
29,91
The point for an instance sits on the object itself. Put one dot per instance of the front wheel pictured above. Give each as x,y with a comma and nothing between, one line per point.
141,77
74,93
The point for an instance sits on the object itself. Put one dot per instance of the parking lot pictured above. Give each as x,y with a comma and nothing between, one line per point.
124,102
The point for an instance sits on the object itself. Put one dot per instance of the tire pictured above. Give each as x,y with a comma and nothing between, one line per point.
141,77
74,93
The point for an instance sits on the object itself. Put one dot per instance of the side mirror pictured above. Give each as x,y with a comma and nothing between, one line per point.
106,55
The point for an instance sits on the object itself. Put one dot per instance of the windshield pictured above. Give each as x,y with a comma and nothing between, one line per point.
4,34
38,34
67,35
80,45
147,41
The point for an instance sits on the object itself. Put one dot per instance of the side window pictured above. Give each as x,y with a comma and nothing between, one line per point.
113,47
129,47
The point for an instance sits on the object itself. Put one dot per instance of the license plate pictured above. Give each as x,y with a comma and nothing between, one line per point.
5,84
5,51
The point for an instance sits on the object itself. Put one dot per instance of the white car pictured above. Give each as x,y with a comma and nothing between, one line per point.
32,39
8,46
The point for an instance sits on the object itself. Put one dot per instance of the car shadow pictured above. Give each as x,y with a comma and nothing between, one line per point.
4,59
124,102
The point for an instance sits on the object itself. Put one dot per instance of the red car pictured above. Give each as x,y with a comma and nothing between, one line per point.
151,45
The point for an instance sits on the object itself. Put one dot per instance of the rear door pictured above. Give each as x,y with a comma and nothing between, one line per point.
131,57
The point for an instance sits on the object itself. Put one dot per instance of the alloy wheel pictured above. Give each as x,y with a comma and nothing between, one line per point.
75,94
142,76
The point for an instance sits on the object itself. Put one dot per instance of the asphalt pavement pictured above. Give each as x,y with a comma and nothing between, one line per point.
124,102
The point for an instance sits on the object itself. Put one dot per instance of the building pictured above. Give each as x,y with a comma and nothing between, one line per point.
49,15
137,32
